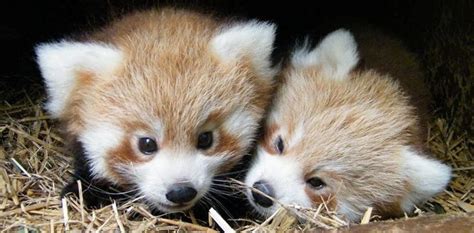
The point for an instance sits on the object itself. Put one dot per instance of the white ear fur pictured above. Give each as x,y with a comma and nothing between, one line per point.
427,177
336,54
59,63
252,39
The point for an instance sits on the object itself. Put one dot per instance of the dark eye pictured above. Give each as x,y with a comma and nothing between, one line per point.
279,145
204,140
316,183
147,145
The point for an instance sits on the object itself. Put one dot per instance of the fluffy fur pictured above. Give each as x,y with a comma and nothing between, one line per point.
166,74
355,130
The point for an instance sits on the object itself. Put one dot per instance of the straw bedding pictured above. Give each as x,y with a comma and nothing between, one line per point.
34,165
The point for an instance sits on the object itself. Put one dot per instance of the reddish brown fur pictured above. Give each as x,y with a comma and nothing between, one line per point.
155,83
267,141
227,143
353,133
337,125
328,200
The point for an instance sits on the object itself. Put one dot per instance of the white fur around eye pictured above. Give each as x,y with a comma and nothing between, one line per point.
242,124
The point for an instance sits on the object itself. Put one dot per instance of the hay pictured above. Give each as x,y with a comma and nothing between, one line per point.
34,167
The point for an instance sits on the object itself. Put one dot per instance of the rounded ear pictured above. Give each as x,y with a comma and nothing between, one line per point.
336,55
61,62
252,40
426,177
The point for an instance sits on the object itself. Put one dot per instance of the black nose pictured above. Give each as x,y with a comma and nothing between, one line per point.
181,193
265,188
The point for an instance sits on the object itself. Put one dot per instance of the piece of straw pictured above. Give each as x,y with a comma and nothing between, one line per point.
220,221
367,215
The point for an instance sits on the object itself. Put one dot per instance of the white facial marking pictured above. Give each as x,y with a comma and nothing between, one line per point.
59,63
97,140
155,177
242,124
283,174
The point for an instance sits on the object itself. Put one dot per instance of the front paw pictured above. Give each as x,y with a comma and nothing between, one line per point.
92,199
70,189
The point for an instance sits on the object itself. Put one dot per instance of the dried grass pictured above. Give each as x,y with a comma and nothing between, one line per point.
34,167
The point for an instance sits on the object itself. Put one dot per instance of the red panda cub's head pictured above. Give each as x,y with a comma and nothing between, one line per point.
163,100
341,137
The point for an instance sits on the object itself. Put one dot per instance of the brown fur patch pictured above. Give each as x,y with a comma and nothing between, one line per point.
267,141
123,156
74,123
227,143
328,199
393,208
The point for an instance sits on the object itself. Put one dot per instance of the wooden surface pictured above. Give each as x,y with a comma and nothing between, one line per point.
438,223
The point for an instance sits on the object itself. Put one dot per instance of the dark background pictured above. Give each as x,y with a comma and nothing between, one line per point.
439,32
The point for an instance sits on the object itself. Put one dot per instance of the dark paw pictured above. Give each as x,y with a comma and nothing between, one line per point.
70,189
92,199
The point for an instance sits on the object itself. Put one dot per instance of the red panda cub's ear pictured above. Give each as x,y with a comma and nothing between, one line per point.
251,40
61,63
426,177
336,55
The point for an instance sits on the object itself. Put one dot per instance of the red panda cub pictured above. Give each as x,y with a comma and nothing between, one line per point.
340,136
161,101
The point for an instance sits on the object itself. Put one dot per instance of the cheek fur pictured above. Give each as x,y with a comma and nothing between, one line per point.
168,168
124,156
231,149
97,140
284,174
154,178
226,144
267,140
